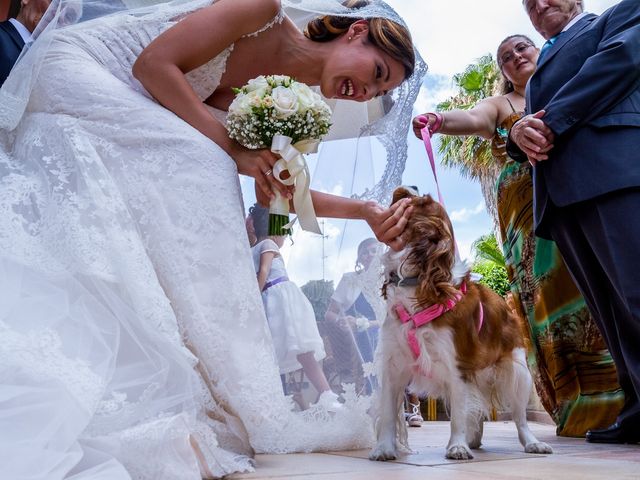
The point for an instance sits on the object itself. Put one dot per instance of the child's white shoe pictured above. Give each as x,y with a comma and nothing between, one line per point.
414,418
329,401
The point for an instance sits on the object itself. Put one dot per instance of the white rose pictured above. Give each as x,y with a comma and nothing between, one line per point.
258,85
255,98
241,105
281,80
306,99
285,101
320,105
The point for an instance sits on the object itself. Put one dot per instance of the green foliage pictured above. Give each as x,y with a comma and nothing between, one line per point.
472,154
319,293
493,276
488,250
490,264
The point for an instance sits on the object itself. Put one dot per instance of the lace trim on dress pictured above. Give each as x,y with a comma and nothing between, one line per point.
276,20
206,78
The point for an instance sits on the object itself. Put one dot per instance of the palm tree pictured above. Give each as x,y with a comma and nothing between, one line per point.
490,263
319,293
488,250
472,154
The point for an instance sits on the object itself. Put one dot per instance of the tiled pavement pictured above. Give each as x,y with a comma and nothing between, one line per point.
500,458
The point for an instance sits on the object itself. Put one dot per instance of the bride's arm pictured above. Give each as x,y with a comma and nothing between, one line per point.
192,42
386,223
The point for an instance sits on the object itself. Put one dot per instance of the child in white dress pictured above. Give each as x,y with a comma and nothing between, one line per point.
289,313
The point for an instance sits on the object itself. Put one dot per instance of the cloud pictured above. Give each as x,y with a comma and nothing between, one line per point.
435,89
465,214
450,35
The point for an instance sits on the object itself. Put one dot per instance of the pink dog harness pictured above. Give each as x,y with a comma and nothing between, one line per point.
429,314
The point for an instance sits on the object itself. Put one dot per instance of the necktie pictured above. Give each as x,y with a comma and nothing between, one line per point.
546,47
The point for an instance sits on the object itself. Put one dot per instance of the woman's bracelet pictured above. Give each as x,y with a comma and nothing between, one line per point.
438,123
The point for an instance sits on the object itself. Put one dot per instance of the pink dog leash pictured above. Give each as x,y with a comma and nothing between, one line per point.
427,133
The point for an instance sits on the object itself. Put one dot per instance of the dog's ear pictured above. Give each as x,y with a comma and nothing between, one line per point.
432,252
400,193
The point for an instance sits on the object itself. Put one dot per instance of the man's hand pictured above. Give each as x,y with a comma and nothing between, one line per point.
533,137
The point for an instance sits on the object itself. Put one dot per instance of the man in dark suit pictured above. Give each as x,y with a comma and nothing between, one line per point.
15,32
11,43
582,134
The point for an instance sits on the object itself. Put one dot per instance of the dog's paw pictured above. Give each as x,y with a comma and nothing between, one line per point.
383,452
459,452
538,447
475,444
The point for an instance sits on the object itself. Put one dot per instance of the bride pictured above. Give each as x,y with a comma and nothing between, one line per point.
133,342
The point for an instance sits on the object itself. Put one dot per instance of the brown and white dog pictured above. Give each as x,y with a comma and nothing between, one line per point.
446,337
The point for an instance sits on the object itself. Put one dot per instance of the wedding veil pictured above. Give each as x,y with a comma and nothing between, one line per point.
391,129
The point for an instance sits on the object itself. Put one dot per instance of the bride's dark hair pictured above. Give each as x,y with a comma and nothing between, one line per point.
391,37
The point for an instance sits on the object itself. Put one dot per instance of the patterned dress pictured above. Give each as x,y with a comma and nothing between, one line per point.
573,371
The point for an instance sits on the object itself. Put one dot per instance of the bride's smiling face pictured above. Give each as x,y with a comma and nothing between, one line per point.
357,69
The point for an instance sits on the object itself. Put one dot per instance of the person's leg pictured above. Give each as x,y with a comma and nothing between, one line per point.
618,250
346,354
600,242
412,410
364,345
313,371
366,352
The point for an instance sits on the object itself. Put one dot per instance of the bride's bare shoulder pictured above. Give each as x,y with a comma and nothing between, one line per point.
203,34
251,14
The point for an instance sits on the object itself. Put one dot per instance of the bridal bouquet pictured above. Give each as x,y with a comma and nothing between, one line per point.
288,117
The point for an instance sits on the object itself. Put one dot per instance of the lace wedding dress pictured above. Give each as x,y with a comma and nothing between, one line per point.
133,342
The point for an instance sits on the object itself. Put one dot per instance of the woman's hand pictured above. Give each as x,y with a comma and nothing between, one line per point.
388,223
419,123
259,165
429,119
347,321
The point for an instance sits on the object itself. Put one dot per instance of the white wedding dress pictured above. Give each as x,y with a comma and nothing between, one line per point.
133,342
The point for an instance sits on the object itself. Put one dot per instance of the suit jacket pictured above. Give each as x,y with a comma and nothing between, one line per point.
589,85
11,44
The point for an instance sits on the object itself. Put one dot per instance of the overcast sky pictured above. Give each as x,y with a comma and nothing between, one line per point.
449,35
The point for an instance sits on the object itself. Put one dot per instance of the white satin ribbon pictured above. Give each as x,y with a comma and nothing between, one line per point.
293,161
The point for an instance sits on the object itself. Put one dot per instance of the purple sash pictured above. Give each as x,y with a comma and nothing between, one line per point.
275,281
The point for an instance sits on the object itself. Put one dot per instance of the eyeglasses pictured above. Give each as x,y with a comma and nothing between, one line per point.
509,56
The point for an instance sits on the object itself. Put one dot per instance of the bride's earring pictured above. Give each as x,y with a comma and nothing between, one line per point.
350,38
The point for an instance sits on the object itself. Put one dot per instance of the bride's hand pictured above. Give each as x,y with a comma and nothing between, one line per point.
259,165
388,223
